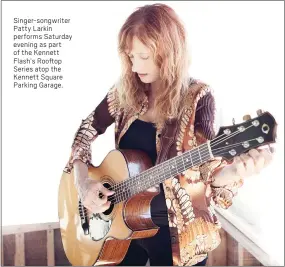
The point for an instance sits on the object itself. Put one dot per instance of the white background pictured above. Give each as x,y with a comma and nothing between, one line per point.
236,47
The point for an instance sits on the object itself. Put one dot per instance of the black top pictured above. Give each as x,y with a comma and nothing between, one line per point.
141,135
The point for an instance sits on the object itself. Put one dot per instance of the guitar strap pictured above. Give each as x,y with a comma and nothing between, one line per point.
167,139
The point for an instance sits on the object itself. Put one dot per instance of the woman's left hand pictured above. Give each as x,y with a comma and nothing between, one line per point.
251,163
243,166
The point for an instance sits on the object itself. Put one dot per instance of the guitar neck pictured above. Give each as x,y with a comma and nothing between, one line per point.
162,172
229,142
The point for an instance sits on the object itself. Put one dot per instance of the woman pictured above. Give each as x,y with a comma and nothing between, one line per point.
155,101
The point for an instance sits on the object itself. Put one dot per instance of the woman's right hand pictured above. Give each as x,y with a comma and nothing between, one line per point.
89,191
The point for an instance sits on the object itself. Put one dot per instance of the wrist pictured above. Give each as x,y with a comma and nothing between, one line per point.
82,185
80,171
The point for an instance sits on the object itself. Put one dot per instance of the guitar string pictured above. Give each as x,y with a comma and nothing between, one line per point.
131,182
232,145
203,150
156,178
230,135
170,161
120,197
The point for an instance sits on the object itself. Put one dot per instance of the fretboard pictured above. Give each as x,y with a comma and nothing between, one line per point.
161,172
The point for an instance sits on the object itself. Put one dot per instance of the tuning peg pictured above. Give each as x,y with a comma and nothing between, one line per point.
259,112
246,117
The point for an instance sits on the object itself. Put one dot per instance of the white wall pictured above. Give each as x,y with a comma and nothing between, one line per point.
237,47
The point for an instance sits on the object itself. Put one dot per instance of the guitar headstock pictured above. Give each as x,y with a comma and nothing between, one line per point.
236,139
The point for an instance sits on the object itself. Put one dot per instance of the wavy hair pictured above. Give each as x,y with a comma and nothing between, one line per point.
159,28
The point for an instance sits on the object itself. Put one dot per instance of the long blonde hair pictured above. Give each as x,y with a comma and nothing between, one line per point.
158,27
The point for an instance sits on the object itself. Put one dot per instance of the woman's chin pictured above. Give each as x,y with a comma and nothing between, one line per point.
145,79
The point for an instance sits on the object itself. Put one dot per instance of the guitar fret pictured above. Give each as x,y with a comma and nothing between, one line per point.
176,166
180,168
191,159
199,153
163,171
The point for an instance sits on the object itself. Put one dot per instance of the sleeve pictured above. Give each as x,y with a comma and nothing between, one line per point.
91,127
204,130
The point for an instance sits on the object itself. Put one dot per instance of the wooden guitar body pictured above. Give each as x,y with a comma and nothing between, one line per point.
109,235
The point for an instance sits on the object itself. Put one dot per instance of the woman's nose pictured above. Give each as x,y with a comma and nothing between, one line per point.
137,66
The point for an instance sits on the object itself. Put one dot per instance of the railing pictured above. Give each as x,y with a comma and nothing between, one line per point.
235,248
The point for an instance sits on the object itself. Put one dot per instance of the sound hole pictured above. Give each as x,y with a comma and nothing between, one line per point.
110,198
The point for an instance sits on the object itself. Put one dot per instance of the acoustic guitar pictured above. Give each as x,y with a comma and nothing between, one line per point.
103,238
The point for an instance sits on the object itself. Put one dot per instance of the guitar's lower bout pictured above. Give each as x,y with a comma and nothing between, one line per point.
103,239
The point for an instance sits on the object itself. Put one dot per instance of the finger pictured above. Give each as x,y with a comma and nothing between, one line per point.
270,147
89,207
106,191
100,201
239,166
258,159
152,189
95,206
95,198
106,205
248,163
103,207
267,156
